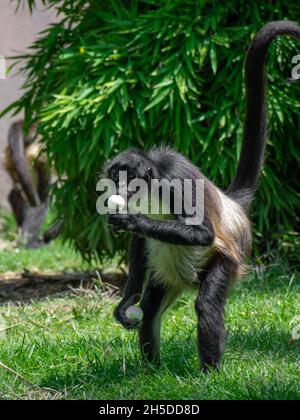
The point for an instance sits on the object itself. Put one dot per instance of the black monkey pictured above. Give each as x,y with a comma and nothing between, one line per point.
167,255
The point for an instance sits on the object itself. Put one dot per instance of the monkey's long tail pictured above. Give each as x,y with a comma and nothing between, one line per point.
247,175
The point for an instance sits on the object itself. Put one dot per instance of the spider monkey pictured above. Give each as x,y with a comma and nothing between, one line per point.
167,255
29,171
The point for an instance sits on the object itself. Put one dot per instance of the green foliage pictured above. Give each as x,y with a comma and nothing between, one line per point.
114,74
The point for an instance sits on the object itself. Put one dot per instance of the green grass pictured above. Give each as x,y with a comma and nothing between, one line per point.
73,345
53,258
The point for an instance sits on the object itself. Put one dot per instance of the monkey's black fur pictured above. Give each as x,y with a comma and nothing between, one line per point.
168,255
255,127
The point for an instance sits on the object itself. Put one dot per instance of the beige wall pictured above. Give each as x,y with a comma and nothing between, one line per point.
17,31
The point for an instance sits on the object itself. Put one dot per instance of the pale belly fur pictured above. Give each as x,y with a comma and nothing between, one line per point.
176,265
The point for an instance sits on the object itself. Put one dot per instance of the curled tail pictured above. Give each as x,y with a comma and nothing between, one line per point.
246,178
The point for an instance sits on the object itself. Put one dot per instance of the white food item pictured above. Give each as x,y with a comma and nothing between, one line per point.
116,201
134,313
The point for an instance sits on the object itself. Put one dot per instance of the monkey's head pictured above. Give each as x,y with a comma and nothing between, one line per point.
135,164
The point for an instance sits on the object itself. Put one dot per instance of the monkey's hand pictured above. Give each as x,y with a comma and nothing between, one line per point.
123,221
121,317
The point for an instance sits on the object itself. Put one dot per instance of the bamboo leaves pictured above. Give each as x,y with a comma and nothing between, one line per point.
115,74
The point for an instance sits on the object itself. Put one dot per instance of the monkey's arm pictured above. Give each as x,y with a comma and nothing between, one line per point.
171,231
16,144
134,286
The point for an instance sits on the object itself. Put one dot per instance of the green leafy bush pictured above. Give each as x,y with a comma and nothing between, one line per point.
113,74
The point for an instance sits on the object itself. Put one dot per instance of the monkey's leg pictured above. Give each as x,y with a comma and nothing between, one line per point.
156,299
209,306
16,143
33,220
18,205
44,179
134,285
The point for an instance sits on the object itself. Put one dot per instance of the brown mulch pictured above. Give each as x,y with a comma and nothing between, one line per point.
29,286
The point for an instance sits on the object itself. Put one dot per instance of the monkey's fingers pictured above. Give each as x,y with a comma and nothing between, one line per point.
292,80
120,221
117,219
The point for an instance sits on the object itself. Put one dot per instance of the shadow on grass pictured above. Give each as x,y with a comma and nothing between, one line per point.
179,359
274,278
268,341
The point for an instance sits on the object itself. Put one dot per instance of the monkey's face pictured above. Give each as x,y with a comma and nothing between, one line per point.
128,166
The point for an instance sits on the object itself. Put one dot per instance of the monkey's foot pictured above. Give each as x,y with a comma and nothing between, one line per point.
120,315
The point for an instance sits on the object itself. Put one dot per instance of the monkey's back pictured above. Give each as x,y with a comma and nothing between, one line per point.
179,266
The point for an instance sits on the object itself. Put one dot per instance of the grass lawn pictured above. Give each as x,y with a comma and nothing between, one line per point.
73,345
